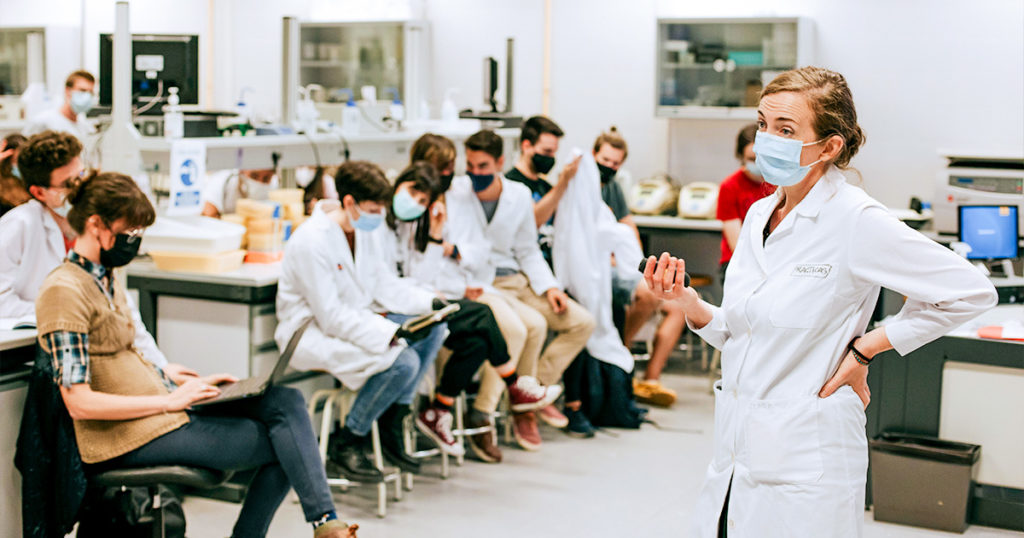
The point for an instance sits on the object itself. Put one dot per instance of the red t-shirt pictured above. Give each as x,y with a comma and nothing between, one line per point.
735,196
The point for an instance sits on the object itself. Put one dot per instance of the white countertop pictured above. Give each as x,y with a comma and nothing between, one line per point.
995,316
677,223
250,274
16,339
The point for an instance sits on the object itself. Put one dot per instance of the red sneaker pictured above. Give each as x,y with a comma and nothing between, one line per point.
524,427
526,394
437,425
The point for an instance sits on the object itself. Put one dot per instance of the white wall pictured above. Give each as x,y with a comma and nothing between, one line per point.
925,75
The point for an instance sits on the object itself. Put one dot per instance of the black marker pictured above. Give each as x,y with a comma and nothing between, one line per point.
686,276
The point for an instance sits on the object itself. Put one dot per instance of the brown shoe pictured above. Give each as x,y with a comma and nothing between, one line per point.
483,445
524,428
652,392
553,417
335,528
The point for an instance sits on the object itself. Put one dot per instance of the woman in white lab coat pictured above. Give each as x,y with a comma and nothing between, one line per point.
790,450
335,272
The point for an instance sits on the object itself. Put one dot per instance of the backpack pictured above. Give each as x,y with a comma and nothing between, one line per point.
608,395
129,513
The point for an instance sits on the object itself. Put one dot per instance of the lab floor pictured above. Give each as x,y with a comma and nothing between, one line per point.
620,483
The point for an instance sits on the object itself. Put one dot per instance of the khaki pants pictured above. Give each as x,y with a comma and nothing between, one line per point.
519,334
572,327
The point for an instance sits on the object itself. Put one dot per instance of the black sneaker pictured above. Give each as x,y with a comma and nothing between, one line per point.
351,462
579,424
392,440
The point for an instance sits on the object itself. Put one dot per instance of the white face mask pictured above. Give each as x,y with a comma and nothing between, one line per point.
255,190
778,159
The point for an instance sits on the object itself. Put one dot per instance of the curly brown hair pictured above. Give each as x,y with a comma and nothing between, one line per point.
44,153
364,180
110,196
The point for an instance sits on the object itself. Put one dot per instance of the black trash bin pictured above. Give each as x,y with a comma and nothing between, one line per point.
922,481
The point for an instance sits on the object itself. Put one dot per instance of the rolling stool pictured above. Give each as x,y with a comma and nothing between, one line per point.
153,477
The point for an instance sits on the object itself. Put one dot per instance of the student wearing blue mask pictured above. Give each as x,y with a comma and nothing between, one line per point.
70,117
738,192
335,271
790,453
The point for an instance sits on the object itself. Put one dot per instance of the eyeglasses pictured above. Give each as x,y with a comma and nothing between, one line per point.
134,235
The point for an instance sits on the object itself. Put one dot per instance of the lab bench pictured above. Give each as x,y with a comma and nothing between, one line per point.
963,388
16,349
698,241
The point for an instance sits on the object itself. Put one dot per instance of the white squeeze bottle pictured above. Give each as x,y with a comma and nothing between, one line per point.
174,118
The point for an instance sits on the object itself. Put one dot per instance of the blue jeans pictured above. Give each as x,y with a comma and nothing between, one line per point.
271,433
398,383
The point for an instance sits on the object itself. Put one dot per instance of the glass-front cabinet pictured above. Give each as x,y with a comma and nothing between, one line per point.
715,68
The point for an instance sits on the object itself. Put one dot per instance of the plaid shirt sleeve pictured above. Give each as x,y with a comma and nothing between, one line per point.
70,356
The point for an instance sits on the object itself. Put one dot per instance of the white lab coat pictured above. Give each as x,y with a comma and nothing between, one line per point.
349,337
32,245
586,235
509,240
430,269
798,463
54,120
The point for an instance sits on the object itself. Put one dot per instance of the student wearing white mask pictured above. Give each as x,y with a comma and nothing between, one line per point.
738,192
790,450
35,237
223,190
79,98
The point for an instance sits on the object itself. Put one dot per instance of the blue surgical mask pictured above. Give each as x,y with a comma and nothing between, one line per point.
752,169
367,222
778,159
15,172
81,102
481,181
405,207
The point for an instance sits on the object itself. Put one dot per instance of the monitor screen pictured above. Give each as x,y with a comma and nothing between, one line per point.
990,230
172,60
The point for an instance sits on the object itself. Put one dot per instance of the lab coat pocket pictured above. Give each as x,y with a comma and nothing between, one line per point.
783,441
725,434
803,302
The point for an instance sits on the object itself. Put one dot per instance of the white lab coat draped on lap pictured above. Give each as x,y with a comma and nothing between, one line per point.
32,245
345,297
586,235
509,240
798,463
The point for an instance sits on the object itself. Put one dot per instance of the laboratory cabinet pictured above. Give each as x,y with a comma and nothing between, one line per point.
716,68
390,56
12,402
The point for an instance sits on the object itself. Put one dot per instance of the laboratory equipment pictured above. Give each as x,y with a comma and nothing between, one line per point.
158,63
503,114
698,200
653,196
174,118
991,233
977,178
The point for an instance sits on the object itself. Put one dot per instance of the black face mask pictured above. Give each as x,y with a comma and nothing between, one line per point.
542,164
446,181
124,250
606,173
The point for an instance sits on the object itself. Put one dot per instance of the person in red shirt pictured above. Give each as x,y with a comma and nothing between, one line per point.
738,192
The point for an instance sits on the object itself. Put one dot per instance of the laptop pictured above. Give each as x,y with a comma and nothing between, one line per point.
257,385
426,321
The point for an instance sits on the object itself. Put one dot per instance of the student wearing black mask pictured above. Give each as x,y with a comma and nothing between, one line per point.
538,145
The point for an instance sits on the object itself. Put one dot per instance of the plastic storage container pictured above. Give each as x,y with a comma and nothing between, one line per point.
188,262
197,235
922,481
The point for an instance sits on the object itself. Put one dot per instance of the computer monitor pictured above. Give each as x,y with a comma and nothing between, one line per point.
990,230
171,59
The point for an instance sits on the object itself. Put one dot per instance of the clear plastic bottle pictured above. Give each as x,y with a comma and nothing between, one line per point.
350,116
174,118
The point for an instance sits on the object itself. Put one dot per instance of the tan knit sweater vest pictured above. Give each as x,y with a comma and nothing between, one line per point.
70,300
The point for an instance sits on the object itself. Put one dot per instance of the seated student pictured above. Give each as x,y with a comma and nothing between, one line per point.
13,192
610,151
335,272
127,413
223,189
474,333
738,192
538,144
36,236
452,279
493,227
